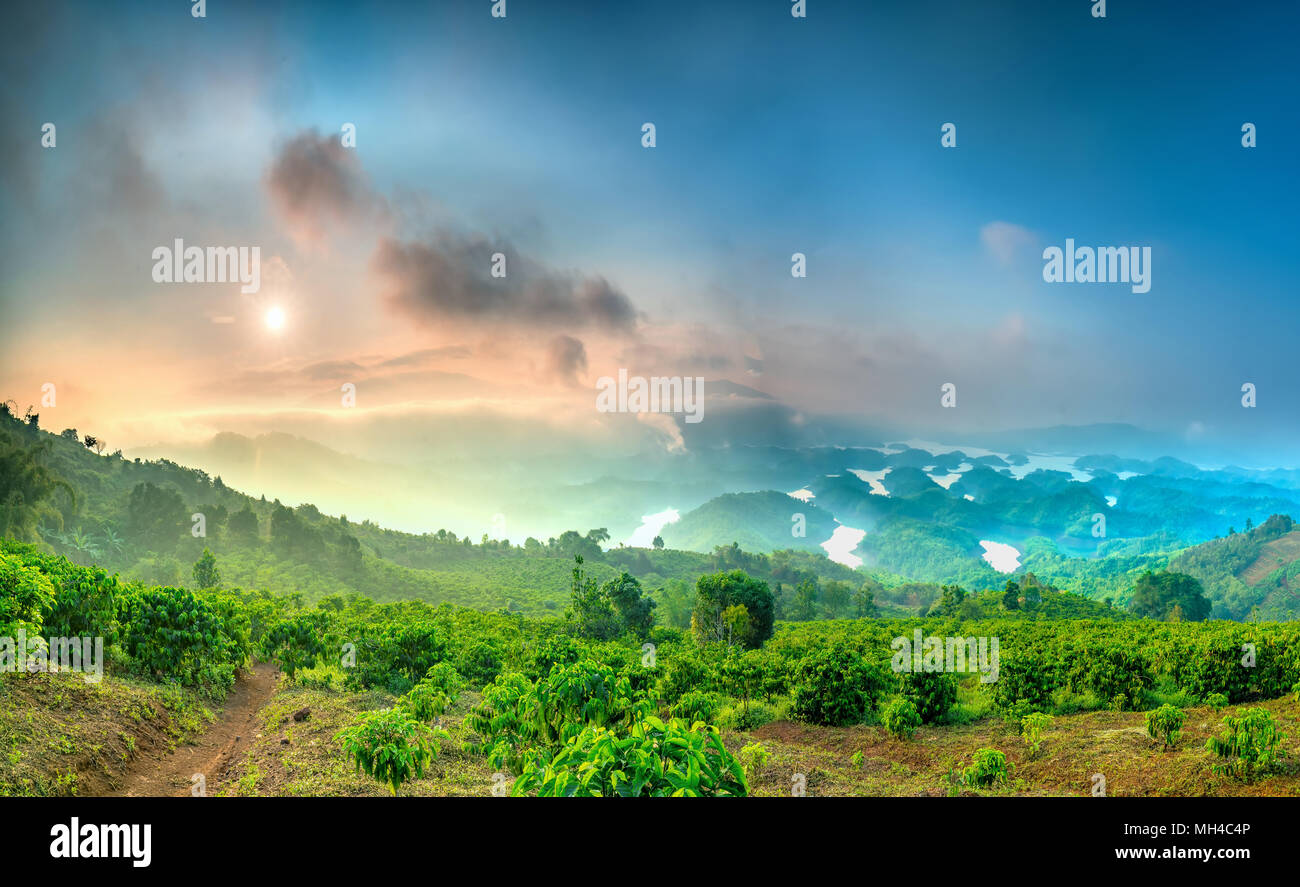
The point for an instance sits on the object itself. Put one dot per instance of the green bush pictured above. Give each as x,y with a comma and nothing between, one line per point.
988,767
390,745
836,687
696,706
1164,723
1248,745
900,718
654,759
1031,730
932,692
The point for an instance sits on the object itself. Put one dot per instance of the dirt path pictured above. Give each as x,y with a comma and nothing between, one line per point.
171,775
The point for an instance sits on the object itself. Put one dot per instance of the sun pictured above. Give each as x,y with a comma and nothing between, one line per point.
274,319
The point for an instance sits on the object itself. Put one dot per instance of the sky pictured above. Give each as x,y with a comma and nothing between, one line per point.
523,135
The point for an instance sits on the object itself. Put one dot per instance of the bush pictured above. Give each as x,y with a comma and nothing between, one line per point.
25,594
696,706
746,717
1216,701
655,759
753,758
836,687
900,718
1031,729
1025,684
932,692
988,767
1164,723
390,746
171,634
1248,745
295,643
431,697
479,664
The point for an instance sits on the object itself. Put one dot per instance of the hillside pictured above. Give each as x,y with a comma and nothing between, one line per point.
152,520
764,521
1253,574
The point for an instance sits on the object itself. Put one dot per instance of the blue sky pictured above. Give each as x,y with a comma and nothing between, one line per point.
775,135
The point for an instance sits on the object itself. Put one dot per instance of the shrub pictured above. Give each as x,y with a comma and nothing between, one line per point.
932,692
655,759
836,687
1164,723
1248,745
900,718
295,643
171,634
1216,701
988,766
1025,684
696,705
25,594
753,758
390,746
1031,729
479,664
745,717
432,696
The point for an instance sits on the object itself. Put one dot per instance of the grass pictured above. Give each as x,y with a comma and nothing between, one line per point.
61,735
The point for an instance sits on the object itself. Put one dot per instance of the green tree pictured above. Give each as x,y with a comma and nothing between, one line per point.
155,517
715,592
1155,595
243,526
206,574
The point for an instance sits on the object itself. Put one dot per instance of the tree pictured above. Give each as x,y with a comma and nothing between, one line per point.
205,571
864,600
155,516
243,526
1011,596
25,486
635,610
590,610
805,600
658,543
715,592
1156,595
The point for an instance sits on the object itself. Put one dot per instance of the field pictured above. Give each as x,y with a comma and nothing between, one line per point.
404,698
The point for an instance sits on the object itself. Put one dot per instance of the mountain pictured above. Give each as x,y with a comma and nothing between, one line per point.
766,521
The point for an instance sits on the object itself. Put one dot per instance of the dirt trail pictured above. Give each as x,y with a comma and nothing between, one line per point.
170,775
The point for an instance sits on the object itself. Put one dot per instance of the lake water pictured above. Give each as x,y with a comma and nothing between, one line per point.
1001,557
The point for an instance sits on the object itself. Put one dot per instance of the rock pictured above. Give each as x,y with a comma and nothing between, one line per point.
284,740
302,714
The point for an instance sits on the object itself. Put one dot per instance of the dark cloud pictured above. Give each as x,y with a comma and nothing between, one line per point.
566,359
314,179
753,366
451,276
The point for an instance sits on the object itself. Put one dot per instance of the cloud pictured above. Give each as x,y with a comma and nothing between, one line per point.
427,355
566,359
450,276
1005,241
315,181
668,427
